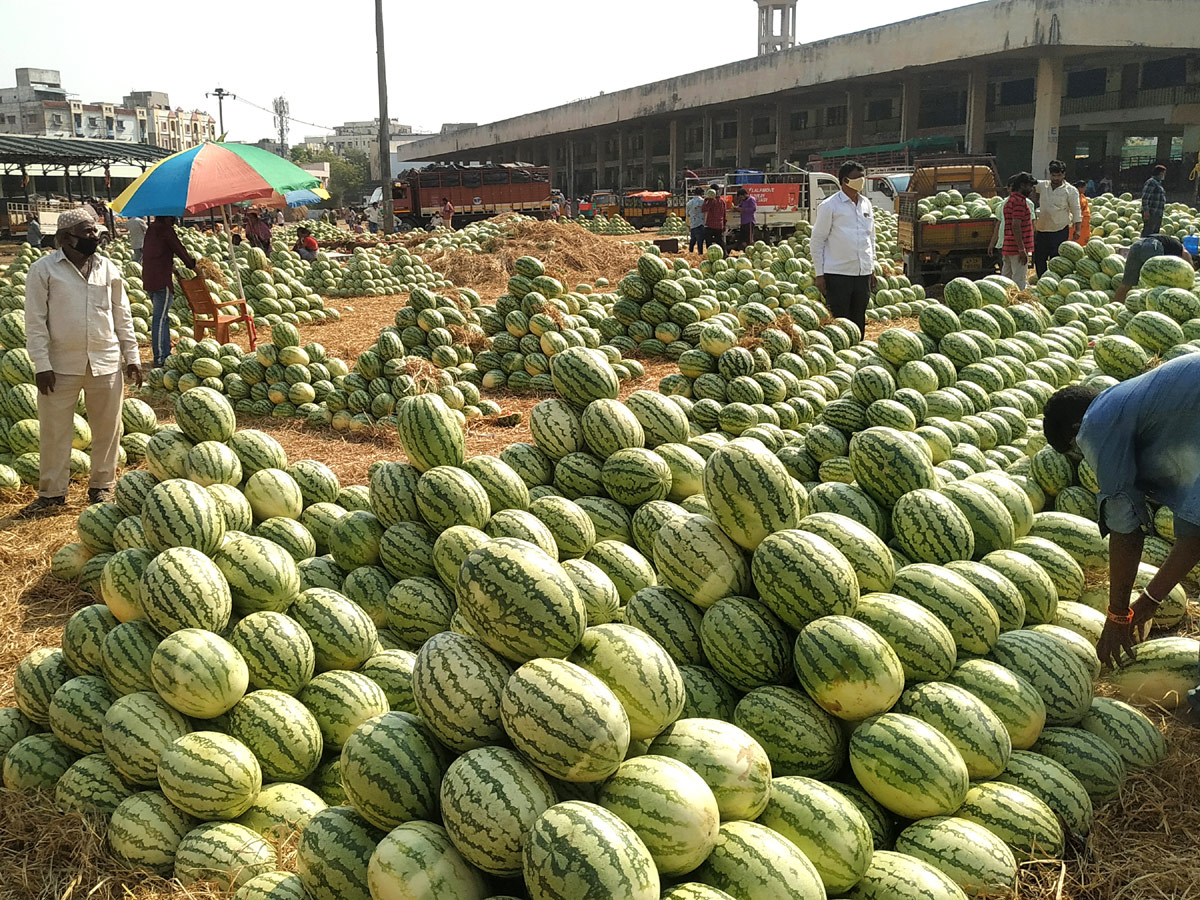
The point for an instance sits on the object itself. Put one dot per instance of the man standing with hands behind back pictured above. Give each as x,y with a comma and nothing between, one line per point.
1058,214
843,248
79,334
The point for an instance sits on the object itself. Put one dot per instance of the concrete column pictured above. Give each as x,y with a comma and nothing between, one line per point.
648,180
854,117
572,189
782,130
676,152
977,87
552,162
708,140
910,106
621,171
601,160
745,140
1047,113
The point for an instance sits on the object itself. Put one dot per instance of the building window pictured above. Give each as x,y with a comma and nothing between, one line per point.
56,119
1017,93
1083,150
1087,83
800,120
835,115
761,125
1161,73
879,109
941,109
728,131
12,120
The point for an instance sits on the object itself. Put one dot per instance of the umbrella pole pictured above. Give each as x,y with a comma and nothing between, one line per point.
237,272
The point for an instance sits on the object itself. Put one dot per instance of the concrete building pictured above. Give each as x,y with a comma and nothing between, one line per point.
355,136
40,106
1025,80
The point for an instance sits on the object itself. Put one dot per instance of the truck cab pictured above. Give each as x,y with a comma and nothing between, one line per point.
785,199
883,188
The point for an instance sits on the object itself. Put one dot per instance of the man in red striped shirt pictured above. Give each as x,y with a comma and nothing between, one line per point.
1017,224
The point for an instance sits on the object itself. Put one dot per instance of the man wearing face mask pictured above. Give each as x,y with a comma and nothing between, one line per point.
1058,213
79,334
843,248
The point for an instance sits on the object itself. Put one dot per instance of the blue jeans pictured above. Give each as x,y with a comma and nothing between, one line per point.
160,325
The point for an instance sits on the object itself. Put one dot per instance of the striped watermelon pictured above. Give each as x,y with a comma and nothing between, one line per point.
234,507
430,432
801,577
1066,574
893,875
867,554
523,525
137,729
224,853
976,731
36,763
333,855
1163,672
14,725
278,652
449,496
670,808
930,528
1058,675
281,810
166,454
924,646
754,862
1013,699
520,600
566,720
341,701
662,421
1015,816
991,523
38,675
638,671
178,513
799,737
908,766
1015,500
95,526
1037,588
211,462
828,829
261,575
342,635
418,859
145,829
609,426
1078,536
392,770
419,608
91,785
392,670
601,601
199,673
1001,593
1088,757
847,668
490,797
745,643
1054,785
273,493
354,539
183,588
209,775
670,620
406,550
83,638
696,558
708,695
582,375
965,852
731,762
272,886
888,464
963,609
203,414
633,476
556,428
572,528
607,858
749,492
393,492
280,731
257,450
456,685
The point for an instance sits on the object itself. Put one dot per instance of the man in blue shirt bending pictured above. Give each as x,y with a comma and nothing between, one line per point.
1142,439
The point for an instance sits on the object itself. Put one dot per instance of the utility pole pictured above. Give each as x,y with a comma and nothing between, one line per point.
280,105
220,93
385,144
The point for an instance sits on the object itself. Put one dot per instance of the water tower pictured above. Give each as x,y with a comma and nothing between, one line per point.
776,25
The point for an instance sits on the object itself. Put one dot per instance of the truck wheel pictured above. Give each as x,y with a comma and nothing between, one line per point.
912,268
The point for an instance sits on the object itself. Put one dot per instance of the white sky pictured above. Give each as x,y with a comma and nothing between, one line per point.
448,60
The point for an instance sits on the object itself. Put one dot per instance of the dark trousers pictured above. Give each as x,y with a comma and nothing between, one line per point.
746,234
1151,226
847,297
714,237
696,239
1045,245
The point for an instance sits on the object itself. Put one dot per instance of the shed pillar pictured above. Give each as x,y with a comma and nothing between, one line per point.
1047,112
910,106
977,88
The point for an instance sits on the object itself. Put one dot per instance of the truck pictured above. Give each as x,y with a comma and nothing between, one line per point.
477,192
14,217
937,251
785,199
640,208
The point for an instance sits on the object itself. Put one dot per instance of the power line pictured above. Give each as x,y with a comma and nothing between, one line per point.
272,112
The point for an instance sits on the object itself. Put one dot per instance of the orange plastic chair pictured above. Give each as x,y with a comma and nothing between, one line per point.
207,317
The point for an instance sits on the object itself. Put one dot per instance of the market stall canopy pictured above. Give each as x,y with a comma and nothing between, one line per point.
17,151
212,174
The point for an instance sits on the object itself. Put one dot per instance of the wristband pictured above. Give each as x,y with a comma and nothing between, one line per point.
1125,618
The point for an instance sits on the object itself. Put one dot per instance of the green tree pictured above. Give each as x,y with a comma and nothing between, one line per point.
349,175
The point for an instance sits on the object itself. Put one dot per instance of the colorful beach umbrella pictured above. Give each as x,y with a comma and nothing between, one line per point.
292,199
210,175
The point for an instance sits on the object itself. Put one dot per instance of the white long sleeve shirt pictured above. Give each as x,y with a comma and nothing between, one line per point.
1058,207
137,232
843,236
73,321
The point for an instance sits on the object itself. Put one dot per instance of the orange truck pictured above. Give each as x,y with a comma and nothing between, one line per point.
477,192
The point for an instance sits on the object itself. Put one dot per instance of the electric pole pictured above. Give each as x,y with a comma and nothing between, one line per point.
385,144
220,93
280,105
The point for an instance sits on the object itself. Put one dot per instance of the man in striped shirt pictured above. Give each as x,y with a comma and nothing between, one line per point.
1017,222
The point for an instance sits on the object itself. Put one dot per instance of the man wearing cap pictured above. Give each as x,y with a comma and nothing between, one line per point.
79,334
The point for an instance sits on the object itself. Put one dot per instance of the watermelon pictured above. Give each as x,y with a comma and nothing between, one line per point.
333,855
392,769
37,677
83,638
802,577
261,575
418,859
847,668
930,528
342,635
181,589
978,733
178,513
888,464
745,643
924,646
36,763
224,853
730,761
77,712
749,492
1058,675
1127,730
968,853
137,729
753,862
341,701
696,558
668,618
278,653
281,810
203,414
272,886
799,737
457,682
908,766
209,775
1054,785
867,554
199,673
91,785
1088,757
893,874
448,496
280,731
582,375
430,432
121,582
1163,672
392,670
1017,817
145,830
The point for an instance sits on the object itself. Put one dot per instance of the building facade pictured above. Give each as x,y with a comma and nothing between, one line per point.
1025,80
355,136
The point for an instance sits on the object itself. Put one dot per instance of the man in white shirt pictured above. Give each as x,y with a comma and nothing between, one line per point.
695,218
374,218
137,236
79,334
843,248
1058,213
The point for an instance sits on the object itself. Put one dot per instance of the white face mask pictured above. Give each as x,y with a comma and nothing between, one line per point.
856,184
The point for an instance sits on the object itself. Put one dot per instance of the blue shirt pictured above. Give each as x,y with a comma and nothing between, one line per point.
695,212
1142,438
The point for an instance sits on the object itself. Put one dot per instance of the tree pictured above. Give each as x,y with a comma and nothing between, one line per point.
349,175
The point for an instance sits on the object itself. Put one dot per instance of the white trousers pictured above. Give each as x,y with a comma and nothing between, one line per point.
102,395
1012,267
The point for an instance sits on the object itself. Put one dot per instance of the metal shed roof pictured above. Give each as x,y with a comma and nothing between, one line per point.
18,150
